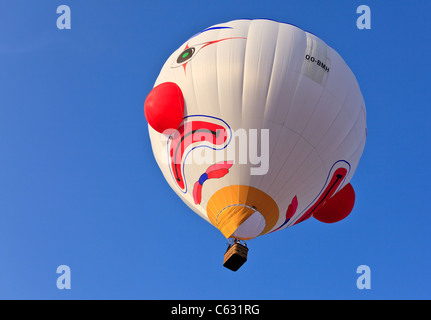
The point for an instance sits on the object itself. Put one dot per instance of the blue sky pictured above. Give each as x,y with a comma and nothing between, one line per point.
79,185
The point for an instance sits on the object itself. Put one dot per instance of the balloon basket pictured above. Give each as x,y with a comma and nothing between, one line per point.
235,256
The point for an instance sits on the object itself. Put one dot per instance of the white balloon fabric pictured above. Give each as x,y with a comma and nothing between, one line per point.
274,126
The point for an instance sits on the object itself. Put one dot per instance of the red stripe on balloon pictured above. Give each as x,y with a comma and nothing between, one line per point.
197,192
188,134
336,180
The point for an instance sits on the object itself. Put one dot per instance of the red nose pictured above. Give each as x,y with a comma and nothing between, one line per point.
164,107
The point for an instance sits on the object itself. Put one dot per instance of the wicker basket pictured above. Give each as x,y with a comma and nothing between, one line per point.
235,256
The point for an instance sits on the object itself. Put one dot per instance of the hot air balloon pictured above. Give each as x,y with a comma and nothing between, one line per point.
257,126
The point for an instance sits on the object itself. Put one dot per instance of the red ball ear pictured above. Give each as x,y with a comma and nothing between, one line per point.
164,107
338,207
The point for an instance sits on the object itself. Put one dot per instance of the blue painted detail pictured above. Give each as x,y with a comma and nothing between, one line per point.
203,178
283,224
211,28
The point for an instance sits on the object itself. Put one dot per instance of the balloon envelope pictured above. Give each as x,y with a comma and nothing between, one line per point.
273,125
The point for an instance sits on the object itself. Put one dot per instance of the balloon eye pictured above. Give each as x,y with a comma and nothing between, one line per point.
186,55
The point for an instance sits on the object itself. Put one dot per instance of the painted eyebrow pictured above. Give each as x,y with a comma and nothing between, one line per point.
208,29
